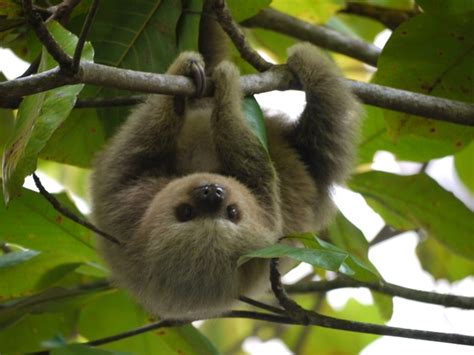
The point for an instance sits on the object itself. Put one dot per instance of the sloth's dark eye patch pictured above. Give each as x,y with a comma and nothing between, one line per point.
233,213
184,212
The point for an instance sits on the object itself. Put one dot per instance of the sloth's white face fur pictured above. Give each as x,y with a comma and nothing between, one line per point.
181,248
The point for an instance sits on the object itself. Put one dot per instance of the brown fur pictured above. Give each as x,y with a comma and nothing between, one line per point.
170,146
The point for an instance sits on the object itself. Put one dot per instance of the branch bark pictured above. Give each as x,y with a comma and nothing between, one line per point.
445,300
278,78
319,35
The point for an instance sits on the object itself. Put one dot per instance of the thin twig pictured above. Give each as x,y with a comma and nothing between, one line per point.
67,213
62,11
261,305
386,233
33,68
321,36
76,59
237,36
278,78
445,300
38,26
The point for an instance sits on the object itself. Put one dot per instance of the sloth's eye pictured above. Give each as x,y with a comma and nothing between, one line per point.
233,213
184,212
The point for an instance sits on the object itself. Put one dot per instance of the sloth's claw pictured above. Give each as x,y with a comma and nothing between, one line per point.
199,77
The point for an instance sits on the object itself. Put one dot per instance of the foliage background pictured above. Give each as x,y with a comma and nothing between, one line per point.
51,280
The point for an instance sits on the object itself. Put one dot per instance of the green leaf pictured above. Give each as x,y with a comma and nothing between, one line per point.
55,299
356,26
312,11
446,7
36,274
77,349
304,340
325,259
353,266
412,61
274,44
18,257
384,304
148,38
38,117
31,222
452,268
394,4
243,9
319,254
255,119
27,334
79,138
115,313
464,164
74,179
187,340
348,237
218,331
421,201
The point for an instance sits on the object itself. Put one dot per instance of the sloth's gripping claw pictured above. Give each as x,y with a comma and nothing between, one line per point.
199,78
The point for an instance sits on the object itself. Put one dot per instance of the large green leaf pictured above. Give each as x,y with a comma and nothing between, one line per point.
356,26
319,254
412,60
243,9
37,273
464,164
148,38
304,340
38,117
115,312
309,10
325,259
78,349
218,331
375,137
422,202
254,117
54,299
32,223
453,267
446,7
28,333
74,179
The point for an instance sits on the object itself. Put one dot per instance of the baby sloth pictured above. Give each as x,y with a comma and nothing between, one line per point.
187,187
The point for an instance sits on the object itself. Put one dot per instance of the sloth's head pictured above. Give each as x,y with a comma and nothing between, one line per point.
190,239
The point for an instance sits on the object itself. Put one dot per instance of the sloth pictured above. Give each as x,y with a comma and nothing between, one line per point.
188,188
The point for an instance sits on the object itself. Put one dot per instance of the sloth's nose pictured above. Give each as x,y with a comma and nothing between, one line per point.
209,197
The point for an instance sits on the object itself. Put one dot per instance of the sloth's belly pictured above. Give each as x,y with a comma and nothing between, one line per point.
196,148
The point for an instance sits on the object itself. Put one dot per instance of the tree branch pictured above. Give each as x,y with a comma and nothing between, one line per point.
82,37
38,26
67,213
386,233
278,78
307,317
321,36
228,24
445,300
